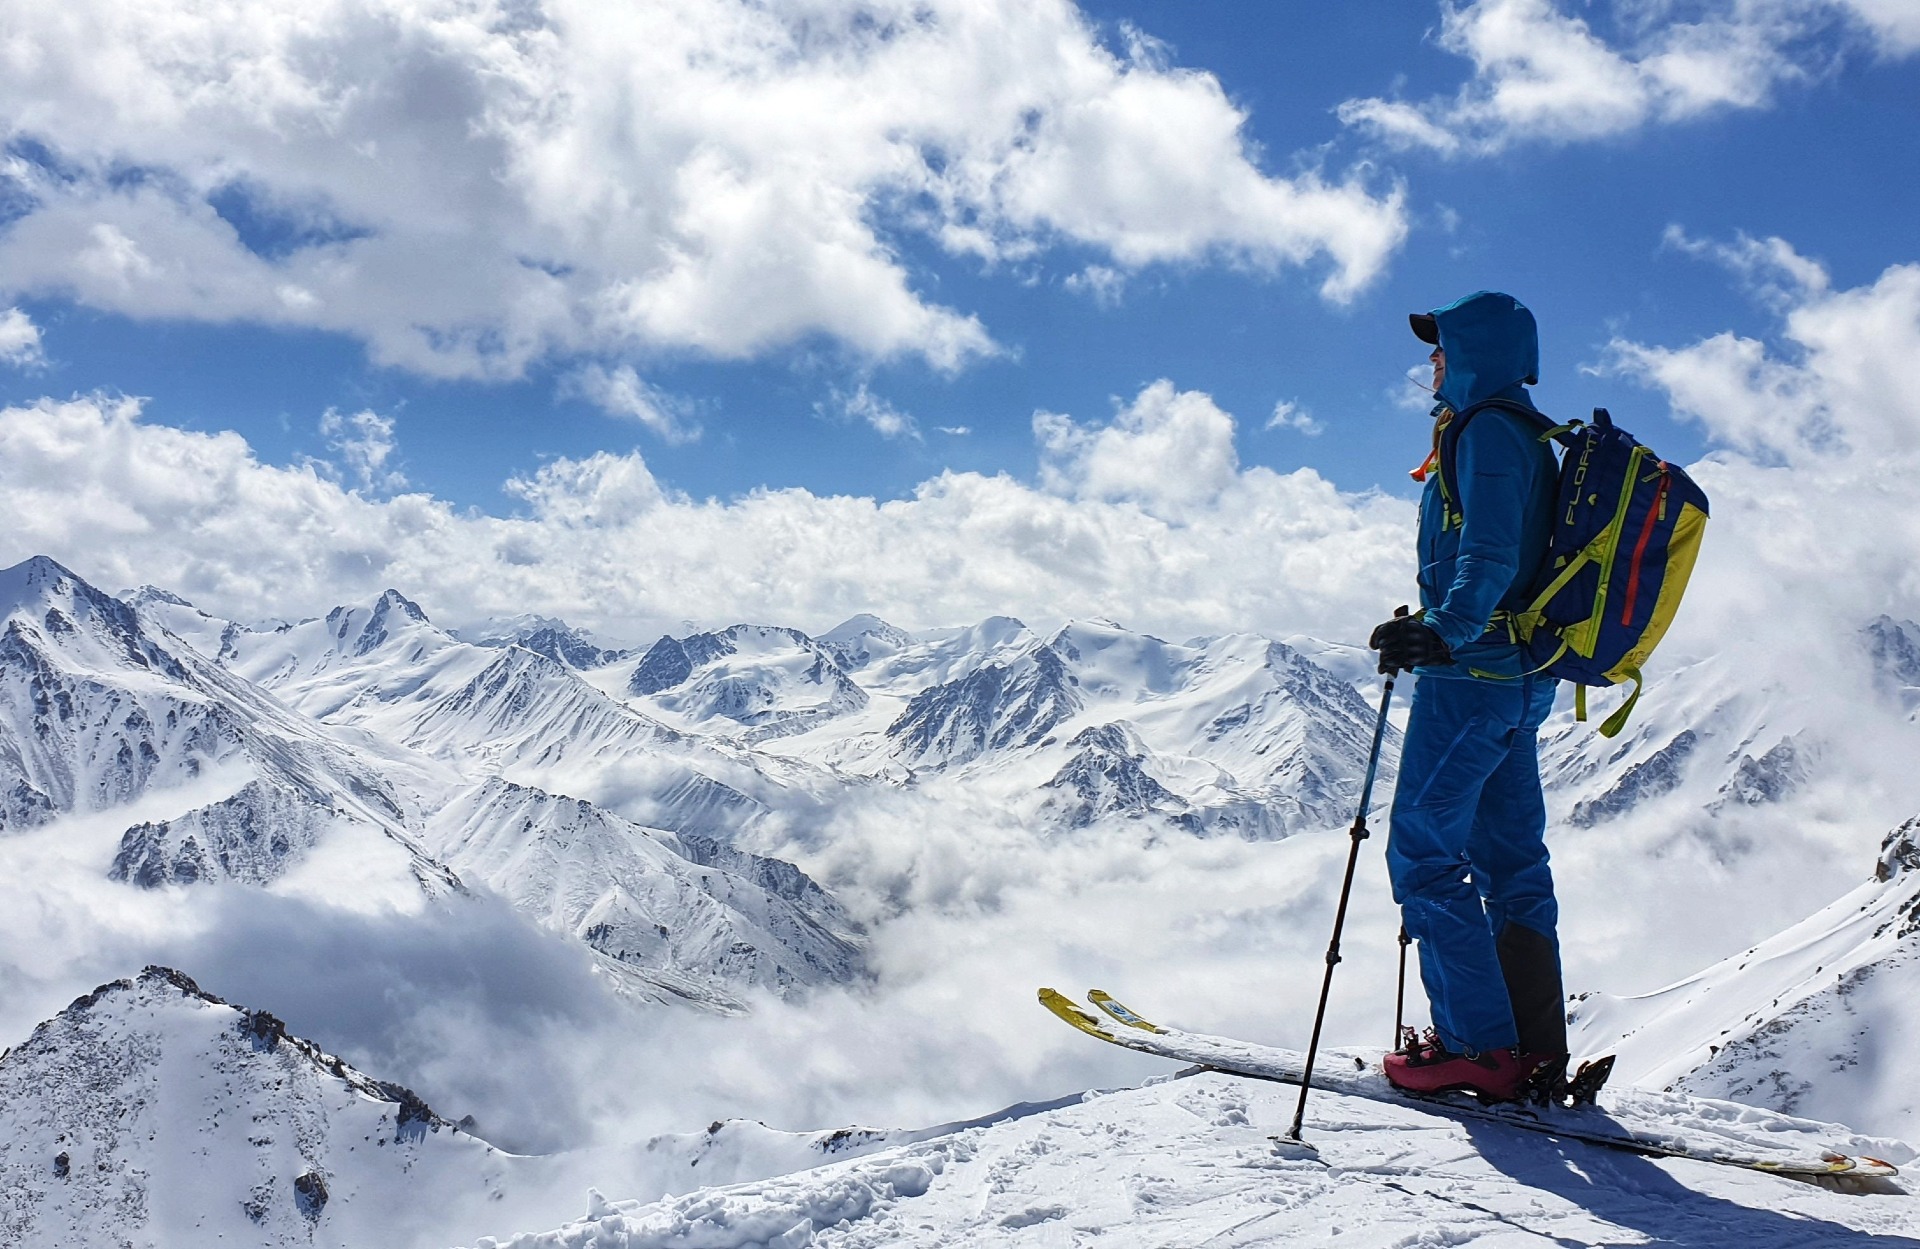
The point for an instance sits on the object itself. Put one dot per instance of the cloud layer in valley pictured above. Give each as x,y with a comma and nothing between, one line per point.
469,186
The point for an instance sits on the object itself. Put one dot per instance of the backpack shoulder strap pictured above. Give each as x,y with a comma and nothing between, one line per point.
1450,442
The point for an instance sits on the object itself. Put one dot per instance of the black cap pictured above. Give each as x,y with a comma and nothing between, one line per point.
1425,328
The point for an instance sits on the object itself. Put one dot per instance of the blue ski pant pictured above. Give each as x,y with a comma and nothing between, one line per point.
1467,853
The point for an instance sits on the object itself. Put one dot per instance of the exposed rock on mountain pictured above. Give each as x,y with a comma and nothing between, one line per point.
771,680
1659,773
1108,777
994,707
254,837
1893,647
544,635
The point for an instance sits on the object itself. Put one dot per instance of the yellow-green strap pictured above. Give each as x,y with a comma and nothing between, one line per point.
1618,720
1580,703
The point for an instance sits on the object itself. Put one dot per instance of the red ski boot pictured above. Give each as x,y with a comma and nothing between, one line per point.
1495,1076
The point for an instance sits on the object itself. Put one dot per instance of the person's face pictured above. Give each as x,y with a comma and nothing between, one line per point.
1439,359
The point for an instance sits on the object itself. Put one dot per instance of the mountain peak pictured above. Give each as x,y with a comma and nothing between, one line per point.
33,581
393,600
361,630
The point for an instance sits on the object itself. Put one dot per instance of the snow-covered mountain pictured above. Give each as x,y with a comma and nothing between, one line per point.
1238,734
771,681
544,635
150,1112
626,801
1719,734
97,709
1815,1021
681,916
389,670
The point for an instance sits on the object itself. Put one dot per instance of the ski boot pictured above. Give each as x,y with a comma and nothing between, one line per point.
1430,1067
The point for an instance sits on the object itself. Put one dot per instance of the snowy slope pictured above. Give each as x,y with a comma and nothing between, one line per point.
389,670
1818,1020
1189,1162
679,916
149,1112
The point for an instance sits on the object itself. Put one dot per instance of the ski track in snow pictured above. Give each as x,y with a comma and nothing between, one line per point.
1189,1162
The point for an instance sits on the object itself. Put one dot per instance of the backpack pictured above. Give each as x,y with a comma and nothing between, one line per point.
1626,531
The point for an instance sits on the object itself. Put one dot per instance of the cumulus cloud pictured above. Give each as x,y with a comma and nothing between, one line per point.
468,186
1542,73
622,392
20,340
1148,519
1168,451
1814,532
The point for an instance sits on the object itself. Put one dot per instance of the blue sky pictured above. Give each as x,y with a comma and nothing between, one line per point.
1575,229
1615,204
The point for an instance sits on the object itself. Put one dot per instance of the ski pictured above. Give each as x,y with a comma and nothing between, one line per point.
1635,1120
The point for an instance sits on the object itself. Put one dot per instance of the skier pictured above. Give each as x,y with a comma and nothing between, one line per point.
1466,850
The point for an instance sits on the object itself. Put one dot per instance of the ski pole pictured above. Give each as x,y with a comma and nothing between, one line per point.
1359,834
1400,992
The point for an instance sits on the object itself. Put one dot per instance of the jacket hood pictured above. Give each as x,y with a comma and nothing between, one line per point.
1492,345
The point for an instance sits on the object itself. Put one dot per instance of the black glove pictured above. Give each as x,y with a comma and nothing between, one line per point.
1406,642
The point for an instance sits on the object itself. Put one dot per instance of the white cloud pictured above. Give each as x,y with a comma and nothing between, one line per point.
1288,414
1168,450
471,186
623,392
1770,267
20,344
1813,529
870,409
1895,23
365,442
1148,521
1542,73
956,431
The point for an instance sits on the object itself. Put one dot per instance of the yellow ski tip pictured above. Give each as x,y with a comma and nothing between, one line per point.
1063,1006
1120,1011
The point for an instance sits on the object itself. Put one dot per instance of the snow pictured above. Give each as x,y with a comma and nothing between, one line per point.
677,925
1191,1161
1809,1021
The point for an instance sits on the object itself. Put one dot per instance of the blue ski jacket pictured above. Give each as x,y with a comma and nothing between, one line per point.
1504,483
